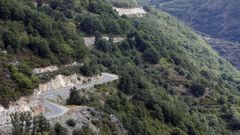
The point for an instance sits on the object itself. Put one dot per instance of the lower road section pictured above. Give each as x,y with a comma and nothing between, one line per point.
54,110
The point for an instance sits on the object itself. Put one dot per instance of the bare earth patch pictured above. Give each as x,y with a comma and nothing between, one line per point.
87,116
90,41
53,68
138,11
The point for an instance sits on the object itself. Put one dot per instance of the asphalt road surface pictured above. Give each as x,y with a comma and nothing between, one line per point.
54,110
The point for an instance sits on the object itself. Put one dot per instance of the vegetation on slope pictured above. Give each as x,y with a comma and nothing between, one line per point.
36,34
185,88
218,18
175,92
171,81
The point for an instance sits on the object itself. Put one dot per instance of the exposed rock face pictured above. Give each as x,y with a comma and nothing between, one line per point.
61,81
3,51
115,39
90,41
33,104
52,68
87,116
45,69
138,11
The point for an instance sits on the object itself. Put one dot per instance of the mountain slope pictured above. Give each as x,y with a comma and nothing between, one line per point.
171,81
186,61
36,34
218,18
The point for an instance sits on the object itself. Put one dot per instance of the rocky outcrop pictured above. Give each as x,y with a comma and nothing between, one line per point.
3,51
116,39
52,68
45,69
33,104
138,11
61,81
87,116
90,41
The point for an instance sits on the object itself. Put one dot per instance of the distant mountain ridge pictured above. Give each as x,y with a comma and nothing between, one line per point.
229,50
218,18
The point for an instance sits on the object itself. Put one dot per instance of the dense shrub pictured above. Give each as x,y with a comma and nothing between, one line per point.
151,56
24,123
112,27
77,99
59,129
124,3
71,123
198,89
99,7
103,45
11,41
41,23
11,10
84,131
88,70
124,46
90,25
178,131
24,68
235,124
39,46
136,39
125,25
55,46
23,81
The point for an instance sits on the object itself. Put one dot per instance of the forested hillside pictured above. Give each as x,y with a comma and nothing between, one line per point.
218,18
37,34
171,80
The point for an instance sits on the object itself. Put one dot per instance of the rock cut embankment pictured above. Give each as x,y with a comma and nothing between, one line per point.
34,103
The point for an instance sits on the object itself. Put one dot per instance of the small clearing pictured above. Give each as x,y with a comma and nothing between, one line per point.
53,68
138,11
90,41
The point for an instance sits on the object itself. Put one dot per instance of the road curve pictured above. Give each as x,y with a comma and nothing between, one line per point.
54,110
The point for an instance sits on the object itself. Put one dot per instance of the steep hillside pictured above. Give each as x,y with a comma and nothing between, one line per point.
171,81
36,34
218,18
185,83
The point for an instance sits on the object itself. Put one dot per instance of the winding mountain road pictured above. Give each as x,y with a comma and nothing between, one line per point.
54,110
